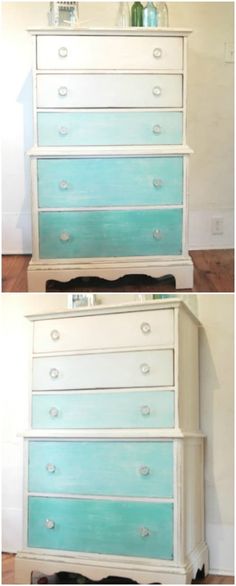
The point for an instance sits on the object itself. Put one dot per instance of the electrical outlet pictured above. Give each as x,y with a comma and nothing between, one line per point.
229,53
217,225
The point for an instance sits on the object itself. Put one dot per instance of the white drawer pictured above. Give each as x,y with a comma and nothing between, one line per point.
109,370
91,52
109,90
119,330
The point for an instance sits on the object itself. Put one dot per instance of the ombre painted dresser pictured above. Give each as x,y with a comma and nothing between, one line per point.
114,455
110,162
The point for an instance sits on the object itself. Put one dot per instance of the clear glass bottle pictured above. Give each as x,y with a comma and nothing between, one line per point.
150,15
163,16
123,16
137,14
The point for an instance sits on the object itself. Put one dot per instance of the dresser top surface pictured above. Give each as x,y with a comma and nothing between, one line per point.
122,308
128,31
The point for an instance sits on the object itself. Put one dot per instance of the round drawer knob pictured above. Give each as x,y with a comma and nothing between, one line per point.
157,53
157,183
50,524
55,335
144,470
145,327
54,412
156,129
156,91
63,91
145,410
63,52
63,130
54,373
157,234
64,236
63,184
51,468
145,368
144,532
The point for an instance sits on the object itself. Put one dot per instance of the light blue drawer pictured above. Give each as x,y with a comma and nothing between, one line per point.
103,182
103,410
109,128
117,468
100,526
110,233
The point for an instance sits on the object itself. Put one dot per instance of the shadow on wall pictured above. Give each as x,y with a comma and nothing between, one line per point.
25,98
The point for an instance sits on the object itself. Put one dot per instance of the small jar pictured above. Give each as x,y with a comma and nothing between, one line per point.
63,14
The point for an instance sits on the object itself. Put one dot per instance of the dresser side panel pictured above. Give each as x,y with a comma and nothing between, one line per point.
188,374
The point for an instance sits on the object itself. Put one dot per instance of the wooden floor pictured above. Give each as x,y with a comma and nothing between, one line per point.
213,272
8,573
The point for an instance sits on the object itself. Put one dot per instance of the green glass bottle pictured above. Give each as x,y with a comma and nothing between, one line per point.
137,14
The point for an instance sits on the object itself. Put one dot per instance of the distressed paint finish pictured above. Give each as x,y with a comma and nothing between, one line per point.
99,526
110,233
146,409
110,181
115,468
107,370
109,128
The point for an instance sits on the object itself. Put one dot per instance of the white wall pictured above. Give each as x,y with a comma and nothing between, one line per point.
216,400
210,114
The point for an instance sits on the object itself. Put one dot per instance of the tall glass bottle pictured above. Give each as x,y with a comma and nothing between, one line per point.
123,17
137,14
150,15
163,16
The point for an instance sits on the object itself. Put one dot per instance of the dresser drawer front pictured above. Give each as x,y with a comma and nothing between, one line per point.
138,329
113,370
148,409
109,52
117,468
100,526
109,128
110,233
110,90
70,183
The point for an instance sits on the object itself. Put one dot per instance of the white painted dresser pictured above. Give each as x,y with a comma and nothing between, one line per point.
114,455
110,161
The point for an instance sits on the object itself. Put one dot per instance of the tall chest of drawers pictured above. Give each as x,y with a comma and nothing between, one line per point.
109,163
114,457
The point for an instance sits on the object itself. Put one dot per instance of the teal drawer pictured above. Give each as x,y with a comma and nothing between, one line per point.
110,233
118,468
109,128
100,526
108,182
103,410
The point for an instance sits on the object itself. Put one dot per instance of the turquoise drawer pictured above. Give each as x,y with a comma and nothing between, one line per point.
109,128
117,468
102,182
100,526
110,233
103,410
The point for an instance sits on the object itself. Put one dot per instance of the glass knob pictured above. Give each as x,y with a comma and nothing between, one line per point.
51,468
144,470
157,234
55,335
63,130
50,524
144,532
146,328
54,373
156,91
156,129
64,236
63,52
63,91
157,53
54,412
145,368
145,410
157,183
63,184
